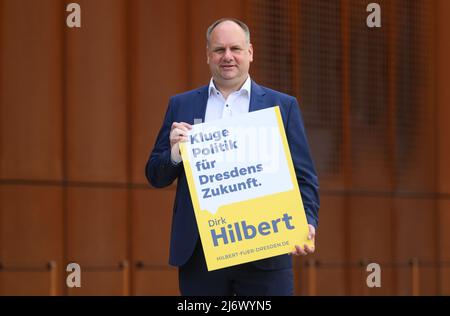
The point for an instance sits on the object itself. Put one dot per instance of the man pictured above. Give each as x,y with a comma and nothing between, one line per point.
230,92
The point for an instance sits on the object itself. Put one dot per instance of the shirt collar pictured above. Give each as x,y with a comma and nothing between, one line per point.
246,87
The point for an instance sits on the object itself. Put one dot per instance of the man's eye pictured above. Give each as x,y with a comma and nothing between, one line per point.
219,50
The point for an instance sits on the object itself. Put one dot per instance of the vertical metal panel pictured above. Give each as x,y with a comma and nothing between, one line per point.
414,132
160,50
346,130
442,97
414,237
14,283
31,236
444,247
97,226
368,96
101,282
442,29
321,92
96,93
31,85
152,225
331,246
157,282
370,240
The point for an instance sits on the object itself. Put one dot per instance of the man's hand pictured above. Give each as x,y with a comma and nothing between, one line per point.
178,133
306,250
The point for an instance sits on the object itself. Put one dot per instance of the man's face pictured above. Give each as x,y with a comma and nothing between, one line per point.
228,54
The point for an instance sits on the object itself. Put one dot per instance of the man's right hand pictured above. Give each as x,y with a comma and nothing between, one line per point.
178,133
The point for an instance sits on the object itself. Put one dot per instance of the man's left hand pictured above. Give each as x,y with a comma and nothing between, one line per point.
299,251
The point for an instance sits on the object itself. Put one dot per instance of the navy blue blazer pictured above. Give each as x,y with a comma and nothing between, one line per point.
161,172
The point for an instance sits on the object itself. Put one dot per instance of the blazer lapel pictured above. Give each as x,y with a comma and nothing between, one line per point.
200,105
257,98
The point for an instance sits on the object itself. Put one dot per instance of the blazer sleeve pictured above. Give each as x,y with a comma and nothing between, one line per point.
304,167
160,170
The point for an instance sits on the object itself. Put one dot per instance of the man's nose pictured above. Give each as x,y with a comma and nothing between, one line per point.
227,55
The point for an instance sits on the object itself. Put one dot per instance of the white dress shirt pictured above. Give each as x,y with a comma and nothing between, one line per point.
237,102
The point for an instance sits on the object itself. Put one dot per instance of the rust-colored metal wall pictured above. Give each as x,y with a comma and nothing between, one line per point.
80,110
442,132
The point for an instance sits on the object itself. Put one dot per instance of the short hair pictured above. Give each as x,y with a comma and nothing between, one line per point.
243,26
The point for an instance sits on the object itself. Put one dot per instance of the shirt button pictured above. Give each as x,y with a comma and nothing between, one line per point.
226,105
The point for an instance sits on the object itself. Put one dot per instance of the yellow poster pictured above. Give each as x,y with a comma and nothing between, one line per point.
244,189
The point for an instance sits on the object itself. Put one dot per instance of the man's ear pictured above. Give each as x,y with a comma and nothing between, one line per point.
250,51
207,55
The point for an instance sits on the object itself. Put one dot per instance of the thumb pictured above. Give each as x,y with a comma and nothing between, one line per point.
312,232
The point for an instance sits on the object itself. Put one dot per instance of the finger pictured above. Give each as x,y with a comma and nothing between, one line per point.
312,232
309,249
181,125
187,125
177,139
300,251
177,132
176,125
180,130
183,139
294,253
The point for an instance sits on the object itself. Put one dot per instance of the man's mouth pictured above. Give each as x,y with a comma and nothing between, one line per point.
226,67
